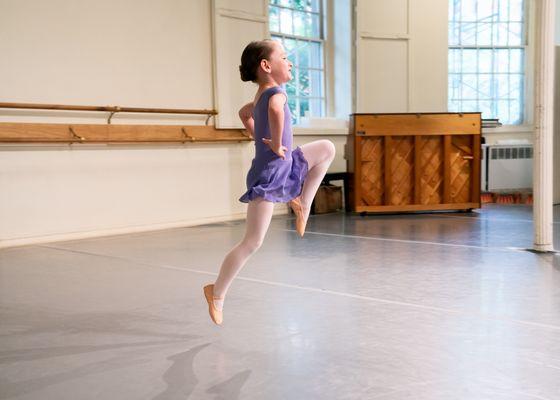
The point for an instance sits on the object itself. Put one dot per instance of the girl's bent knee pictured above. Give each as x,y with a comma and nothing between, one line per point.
330,150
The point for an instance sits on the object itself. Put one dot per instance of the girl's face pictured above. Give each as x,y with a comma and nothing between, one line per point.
279,67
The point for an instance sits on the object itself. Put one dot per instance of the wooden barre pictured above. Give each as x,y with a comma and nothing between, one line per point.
106,108
111,109
98,133
201,140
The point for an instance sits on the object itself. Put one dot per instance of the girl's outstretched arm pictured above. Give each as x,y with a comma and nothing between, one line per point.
246,116
276,122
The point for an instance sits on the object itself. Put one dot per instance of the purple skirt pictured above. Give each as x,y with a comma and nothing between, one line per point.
274,179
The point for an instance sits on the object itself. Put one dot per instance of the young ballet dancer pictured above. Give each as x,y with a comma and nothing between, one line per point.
278,174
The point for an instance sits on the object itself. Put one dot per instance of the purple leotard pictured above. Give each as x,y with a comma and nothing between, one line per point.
270,177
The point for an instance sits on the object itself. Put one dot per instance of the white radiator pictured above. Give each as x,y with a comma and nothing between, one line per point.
507,167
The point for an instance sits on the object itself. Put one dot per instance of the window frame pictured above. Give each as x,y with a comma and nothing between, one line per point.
322,40
528,36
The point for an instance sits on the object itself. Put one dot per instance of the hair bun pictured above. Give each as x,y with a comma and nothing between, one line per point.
246,74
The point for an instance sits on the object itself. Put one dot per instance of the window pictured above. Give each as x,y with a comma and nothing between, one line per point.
298,24
487,47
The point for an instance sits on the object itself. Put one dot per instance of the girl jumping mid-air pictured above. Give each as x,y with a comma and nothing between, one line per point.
278,174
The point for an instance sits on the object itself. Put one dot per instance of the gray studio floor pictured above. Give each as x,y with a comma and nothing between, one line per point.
415,307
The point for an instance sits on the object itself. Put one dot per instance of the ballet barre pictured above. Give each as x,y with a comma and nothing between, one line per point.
14,132
111,109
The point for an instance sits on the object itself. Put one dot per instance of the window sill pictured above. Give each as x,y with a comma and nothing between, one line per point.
510,129
321,127
320,132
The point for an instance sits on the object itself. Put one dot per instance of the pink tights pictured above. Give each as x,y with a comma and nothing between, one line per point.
319,155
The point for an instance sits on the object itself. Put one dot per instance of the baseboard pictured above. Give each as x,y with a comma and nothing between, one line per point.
60,237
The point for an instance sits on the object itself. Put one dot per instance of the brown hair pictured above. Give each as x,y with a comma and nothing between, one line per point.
251,58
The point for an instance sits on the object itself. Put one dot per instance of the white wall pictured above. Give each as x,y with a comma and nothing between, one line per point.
428,55
401,56
63,192
126,52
